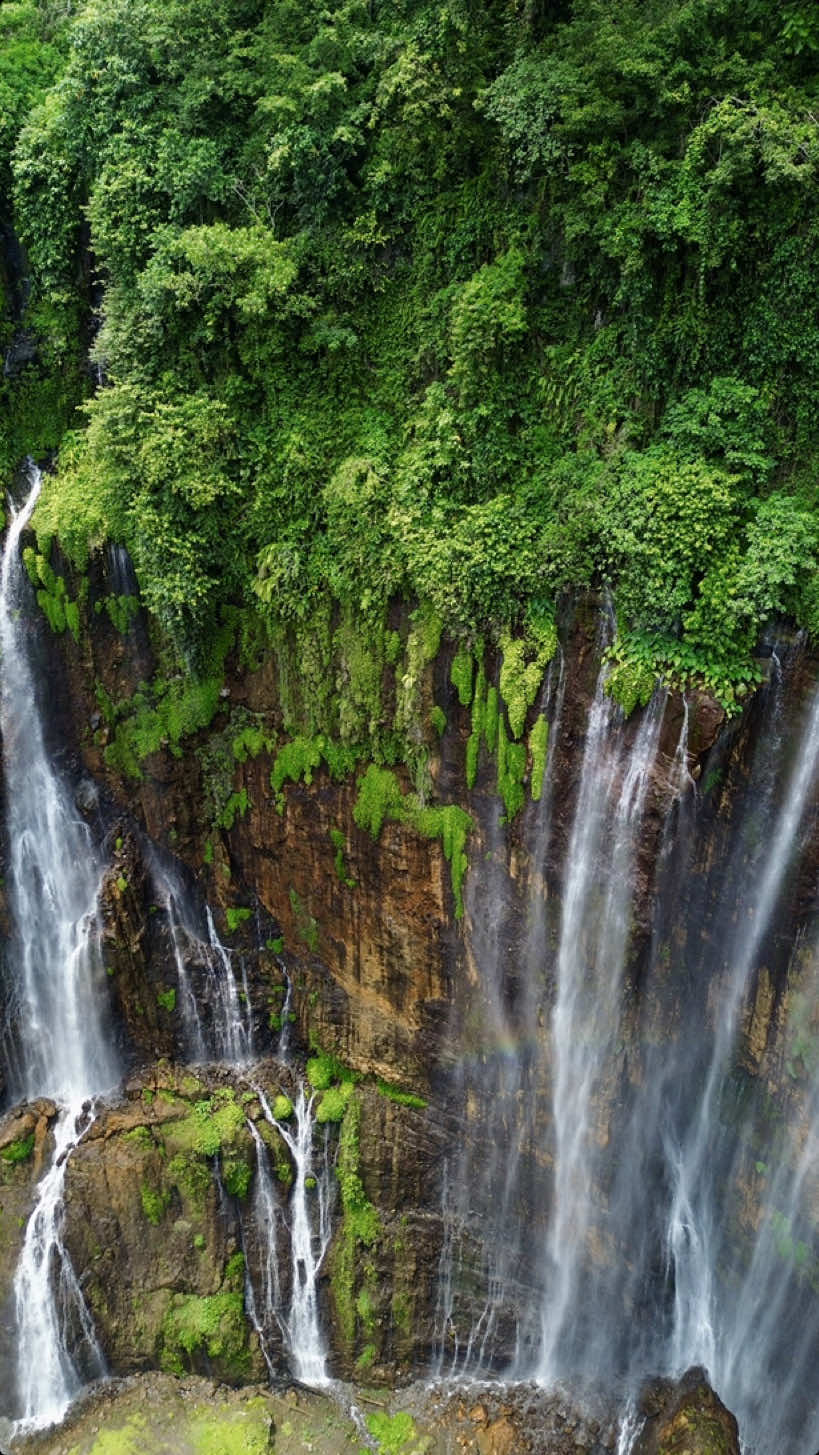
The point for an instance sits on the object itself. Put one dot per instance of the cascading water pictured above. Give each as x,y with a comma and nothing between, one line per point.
502,1076
682,1208
595,924
748,1312
215,1011
61,1042
310,1230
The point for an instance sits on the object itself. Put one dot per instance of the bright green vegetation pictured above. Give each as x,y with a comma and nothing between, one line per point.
18,1151
210,1125
52,594
463,303
333,1103
401,1098
213,1327
235,917
282,1108
154,1203
166,999
324,1070
360,1226
339,842
380,798
236,1176
539,748
395,1434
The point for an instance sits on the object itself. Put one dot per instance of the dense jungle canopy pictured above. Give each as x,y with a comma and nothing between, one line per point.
466,302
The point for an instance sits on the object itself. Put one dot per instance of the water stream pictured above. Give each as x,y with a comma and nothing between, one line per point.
302,1223
62,1047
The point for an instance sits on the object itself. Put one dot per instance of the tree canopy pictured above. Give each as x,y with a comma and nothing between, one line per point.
468,301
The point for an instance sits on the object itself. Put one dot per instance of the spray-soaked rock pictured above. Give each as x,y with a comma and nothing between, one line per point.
686,1417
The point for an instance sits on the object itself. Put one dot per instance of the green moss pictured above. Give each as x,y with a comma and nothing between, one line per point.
210,1125
282,1108
365,1308
139,1137
323,1069
401,1308
394,1433
437,719
380,797
522,667
166,999
121,611
163,713
333,1103
366,1358
631,684
461,676
18,1151
191,1174
127,1439
360,1217
236,1176
295,763
360,1226
478,721
401,1098
244,1431
490,719
213,1326
538,748
237,805
306,924
284,1172
236,916
250,742
339,843
154,1203
511,772
72,619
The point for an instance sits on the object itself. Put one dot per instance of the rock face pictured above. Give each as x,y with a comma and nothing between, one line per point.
686,1418
350,945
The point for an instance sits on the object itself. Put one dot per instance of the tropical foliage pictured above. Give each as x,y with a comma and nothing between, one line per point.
470,301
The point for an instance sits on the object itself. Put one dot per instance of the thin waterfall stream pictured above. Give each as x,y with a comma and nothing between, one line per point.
62,1046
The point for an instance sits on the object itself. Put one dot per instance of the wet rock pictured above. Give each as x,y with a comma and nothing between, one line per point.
686,1417
86,796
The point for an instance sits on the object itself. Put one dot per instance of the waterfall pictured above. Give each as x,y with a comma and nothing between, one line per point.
214,1005
62,1045
586,1018
310,1230
483,1314
265,1307
757,1332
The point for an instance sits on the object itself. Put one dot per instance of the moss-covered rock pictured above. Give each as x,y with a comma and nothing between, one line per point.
686,1418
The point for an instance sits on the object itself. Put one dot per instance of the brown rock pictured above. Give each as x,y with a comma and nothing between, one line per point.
686,1418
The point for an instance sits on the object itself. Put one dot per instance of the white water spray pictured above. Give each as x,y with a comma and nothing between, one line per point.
590,962
310,1230
63,1047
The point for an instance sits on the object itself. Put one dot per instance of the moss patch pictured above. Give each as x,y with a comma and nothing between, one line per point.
380,798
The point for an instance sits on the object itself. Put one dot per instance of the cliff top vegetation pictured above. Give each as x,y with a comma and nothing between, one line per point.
466,301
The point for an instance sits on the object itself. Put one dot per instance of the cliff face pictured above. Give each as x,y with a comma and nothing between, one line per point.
350,945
